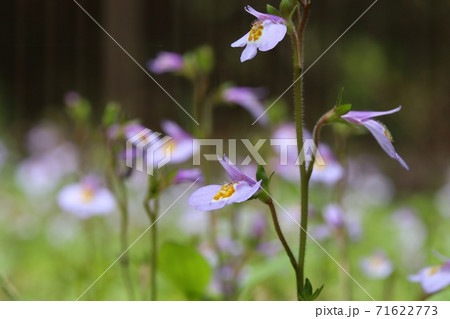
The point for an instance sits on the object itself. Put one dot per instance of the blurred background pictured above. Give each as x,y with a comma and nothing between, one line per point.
397,54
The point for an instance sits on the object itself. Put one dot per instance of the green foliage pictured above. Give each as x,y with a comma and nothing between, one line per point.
186,268
80,112
307,293
443,295
111,114
272,10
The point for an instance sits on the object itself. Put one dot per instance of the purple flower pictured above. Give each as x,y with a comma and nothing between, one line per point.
434,278
377,266
188,175
72,98
182,146
86,199
212,197
264,35
248,98
166,62
334,216
377,129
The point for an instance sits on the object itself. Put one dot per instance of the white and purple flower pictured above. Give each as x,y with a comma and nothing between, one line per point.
248,98
86,199
166,62
377,265
213,197
434,278
264,35
377,129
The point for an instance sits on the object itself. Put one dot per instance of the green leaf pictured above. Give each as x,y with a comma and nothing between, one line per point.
261,175
342,109
307,293
443,295
285,8
340,95
186,268
272,10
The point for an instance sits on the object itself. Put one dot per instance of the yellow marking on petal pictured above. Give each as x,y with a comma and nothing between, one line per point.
256,31
87,195
169,147
226,191
433,270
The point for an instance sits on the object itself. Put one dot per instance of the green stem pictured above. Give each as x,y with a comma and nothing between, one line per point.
125,261
151,206
297,46
281,236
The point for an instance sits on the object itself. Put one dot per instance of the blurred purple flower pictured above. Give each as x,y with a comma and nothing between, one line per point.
334,216
434,278
72,98
182,146
328,174
377,266
248,98
264,35
377,129
213,197
166,62
86,199
188,175
40,174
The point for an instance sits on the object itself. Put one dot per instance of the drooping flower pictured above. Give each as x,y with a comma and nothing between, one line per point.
188,175
377,266
377,129
264,35
166,62
434,278
86,199
248,98
213,197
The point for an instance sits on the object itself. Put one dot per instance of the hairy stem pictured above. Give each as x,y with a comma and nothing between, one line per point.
297,46
279,232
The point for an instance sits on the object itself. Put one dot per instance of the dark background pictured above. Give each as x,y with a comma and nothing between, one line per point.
397,54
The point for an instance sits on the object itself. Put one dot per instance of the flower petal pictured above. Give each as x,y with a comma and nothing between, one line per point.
235,174
244,191
249,52
263,16
272,34
174,130
359,116
202,198
380,133
241,42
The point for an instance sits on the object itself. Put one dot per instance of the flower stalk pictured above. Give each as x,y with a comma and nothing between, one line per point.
301,17
151,207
